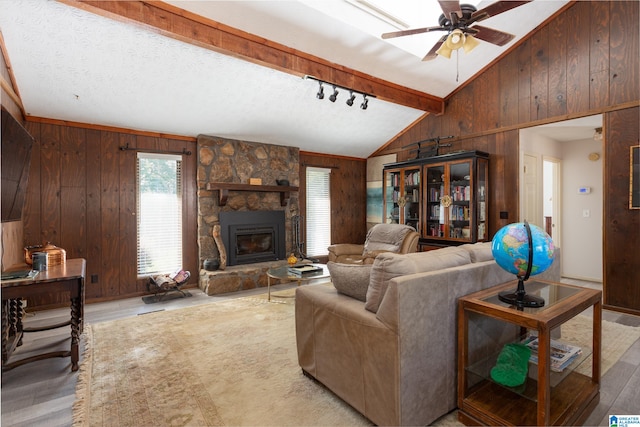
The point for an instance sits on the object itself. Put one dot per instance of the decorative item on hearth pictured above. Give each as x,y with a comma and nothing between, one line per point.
524,250
211,264
292,260
55,255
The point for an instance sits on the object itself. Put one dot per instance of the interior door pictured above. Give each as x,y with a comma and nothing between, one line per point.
531,193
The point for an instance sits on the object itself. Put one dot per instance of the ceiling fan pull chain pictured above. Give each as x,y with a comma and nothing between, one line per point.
457,64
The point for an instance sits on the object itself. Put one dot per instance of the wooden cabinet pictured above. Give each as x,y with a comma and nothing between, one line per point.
455,189
444,197
402,195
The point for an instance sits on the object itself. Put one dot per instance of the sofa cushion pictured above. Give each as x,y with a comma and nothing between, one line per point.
389,265
350,279
479,252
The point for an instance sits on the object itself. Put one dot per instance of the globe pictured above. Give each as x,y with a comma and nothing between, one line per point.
524,250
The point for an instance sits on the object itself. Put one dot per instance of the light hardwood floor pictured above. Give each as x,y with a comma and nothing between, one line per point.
42,393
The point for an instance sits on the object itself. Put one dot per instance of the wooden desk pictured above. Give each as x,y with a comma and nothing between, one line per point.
568,400
68,277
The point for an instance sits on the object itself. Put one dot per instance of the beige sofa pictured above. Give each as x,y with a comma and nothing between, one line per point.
389,350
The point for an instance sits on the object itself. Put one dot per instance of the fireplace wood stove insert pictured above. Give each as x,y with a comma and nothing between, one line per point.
253,236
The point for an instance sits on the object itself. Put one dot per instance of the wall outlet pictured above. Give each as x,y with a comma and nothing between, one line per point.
94,278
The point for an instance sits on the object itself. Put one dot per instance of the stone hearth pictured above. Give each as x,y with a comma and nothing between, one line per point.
233,161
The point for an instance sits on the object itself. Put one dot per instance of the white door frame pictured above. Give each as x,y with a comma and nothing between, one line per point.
556,194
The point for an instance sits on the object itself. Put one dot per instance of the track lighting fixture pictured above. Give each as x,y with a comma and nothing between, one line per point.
351,99
320,94
334,96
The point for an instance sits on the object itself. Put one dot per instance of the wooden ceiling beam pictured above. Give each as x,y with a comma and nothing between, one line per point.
191,28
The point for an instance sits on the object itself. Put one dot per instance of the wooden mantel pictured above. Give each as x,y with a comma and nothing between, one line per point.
224,187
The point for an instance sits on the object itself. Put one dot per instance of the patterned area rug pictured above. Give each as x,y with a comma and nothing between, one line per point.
223,363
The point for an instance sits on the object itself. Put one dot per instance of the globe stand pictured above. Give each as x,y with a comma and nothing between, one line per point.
520,298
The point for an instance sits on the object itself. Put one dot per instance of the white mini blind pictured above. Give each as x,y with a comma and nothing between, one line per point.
318,211
159,213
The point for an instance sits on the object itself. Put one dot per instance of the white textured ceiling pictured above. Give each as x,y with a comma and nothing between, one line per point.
72,65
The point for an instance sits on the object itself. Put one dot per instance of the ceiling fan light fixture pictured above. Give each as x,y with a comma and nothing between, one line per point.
455,40
470,43
444,51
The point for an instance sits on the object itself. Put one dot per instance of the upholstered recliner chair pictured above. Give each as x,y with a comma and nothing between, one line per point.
402,239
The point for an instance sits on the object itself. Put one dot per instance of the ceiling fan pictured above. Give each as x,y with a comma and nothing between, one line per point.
458,20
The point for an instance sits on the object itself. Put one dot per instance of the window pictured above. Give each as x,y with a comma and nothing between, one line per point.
159,213
318,211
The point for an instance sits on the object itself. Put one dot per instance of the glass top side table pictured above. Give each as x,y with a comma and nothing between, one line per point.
566,401
282,273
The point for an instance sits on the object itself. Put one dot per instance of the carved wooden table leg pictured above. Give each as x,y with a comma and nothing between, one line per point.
5,331
75,332
15,317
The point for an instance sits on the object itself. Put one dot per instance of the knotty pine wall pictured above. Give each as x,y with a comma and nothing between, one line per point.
81,197
583,62
348,195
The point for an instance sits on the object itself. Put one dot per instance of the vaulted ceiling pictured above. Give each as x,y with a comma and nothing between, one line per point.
236,69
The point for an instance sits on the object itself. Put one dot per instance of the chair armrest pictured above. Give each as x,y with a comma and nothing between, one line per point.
346,249
370,256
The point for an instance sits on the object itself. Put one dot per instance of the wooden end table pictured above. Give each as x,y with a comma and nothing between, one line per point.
67,277
547,398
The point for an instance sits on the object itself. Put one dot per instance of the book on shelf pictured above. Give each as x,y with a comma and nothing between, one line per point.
305,270
562,354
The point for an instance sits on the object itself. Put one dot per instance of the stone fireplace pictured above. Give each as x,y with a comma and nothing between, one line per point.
223,160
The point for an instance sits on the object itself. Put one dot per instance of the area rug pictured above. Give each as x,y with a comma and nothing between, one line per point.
230,363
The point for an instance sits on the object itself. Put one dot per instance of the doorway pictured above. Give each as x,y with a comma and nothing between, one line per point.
561,190
552,198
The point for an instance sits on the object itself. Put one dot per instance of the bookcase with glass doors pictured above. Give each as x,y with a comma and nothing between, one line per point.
444,197
402,195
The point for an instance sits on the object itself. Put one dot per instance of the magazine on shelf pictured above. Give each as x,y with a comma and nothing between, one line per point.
562,354
305,270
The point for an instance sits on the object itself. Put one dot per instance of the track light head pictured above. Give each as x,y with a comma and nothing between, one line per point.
334,95
365,102
320,94
351,99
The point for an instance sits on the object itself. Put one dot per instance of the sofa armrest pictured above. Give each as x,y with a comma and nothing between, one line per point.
422,308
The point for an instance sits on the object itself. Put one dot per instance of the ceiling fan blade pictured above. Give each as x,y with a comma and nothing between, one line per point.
490,35
432,53
411,32
450,6
496,9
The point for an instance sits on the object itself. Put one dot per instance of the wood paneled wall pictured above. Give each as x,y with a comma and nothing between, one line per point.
583,62
82,197
621,224
348,195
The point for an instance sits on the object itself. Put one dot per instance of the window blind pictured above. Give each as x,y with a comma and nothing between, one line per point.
159,213
318,211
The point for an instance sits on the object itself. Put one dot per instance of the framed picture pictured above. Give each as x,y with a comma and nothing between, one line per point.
634,178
